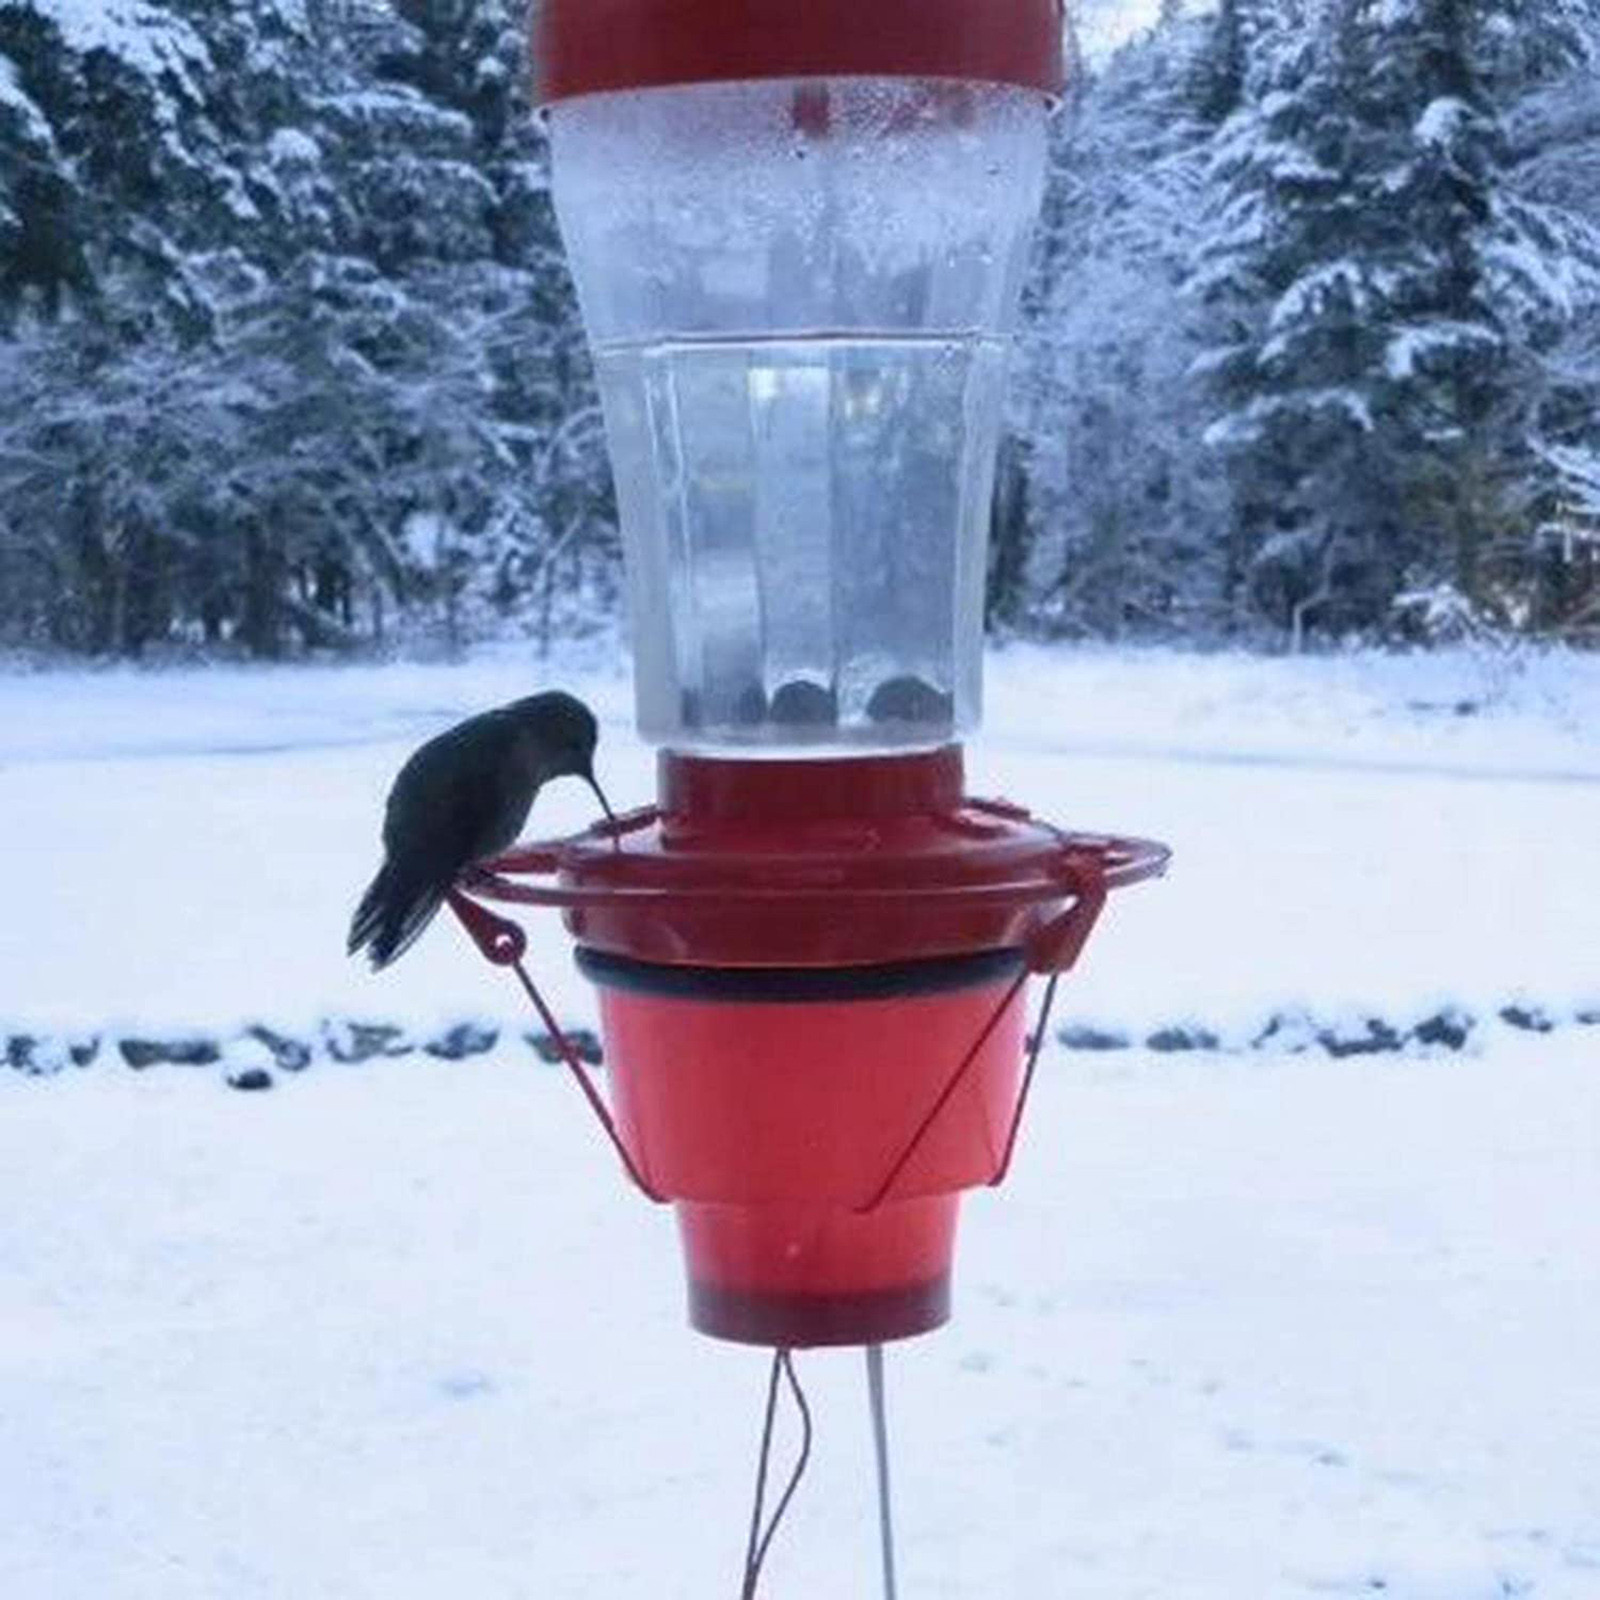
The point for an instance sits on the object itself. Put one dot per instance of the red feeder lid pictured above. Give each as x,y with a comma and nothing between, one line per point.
828,863
592,46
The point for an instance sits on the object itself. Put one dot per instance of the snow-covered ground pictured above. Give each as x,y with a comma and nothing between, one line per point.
1237,1328
1243,1325
183,851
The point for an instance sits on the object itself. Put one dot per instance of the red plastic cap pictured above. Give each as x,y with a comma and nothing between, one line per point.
592,46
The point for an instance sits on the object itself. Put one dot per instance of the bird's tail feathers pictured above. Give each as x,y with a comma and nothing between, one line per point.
393,913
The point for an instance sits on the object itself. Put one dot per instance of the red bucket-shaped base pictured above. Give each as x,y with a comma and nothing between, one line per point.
800,1276
786,1112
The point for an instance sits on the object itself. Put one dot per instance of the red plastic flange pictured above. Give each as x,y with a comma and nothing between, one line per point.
828,863
593,46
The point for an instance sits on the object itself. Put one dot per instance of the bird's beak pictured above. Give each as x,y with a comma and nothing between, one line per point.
600,795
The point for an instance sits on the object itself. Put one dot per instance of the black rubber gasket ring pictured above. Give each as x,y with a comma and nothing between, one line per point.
790,985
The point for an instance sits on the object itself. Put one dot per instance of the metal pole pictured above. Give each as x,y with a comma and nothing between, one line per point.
880,1439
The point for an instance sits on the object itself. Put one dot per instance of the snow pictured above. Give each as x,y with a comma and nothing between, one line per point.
1555,281
400,106
1580,469
142,37
1293,1329
1250,423
1419,344
1366,829
35,127
1289,165
1105,24
1307,295
1441,122
293,147
1263,1324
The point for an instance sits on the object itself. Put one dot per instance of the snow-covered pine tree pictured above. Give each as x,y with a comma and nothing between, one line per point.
1121,509
1241,54
118,178
1371,276
42,234
1535,267
554,532
285,337
1284,306
1014,522
353,369
1551,84
1436,221
423,308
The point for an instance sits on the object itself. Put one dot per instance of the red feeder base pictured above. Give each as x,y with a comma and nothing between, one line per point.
775,1108
733,1295
812,982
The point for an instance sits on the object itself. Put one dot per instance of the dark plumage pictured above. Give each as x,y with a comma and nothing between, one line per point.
463,798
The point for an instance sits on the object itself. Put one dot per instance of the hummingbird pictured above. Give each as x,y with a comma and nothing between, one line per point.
463,798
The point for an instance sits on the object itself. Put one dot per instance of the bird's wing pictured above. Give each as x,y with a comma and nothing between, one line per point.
450,803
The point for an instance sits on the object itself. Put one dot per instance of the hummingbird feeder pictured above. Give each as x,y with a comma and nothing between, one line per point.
799,230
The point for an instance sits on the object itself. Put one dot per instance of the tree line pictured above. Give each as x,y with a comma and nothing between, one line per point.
291,361
1313,348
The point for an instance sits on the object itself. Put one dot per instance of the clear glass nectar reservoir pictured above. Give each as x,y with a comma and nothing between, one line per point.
799,294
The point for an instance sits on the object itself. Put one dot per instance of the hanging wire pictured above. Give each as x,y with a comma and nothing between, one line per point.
953,1083
878,1400
504,944
574,1065
1035,1047
602,1112
753,1543
760,1541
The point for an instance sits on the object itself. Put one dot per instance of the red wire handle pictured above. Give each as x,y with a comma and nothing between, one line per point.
504,944
880,1195
1054,949
1003,1171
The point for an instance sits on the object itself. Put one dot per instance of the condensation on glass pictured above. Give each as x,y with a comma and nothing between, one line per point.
799,295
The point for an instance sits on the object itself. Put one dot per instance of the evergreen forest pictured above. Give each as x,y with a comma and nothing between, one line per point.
291,363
